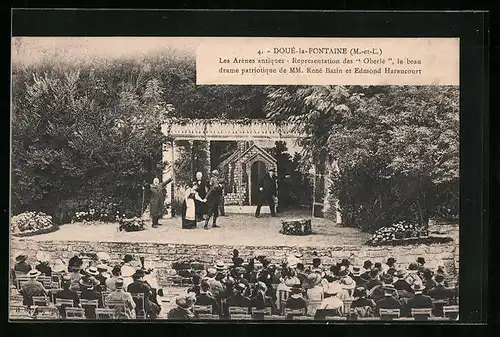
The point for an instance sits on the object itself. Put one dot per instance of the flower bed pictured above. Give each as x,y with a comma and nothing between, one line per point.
296,227
31,223
400,233
131,225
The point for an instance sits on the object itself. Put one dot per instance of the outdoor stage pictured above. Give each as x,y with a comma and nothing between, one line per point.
235,229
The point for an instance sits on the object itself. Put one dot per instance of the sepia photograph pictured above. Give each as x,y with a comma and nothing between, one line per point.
163,178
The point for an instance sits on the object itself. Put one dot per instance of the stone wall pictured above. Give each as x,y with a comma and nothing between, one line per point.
162,255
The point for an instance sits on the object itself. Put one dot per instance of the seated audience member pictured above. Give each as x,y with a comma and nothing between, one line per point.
378,293
126,274
88,285
32,288
75,275
314,293
412,276
362,306
67,294
43,265
390,264
184,309
440,292
119,294
110,282
215,286
378,265
421,262
332,305
138,286
401,285
21,266
239,277
429,282
342,273
388,302
260,300
296,301
102,276
228,283
355,274
237,299
367,267
195,288
419,300
300,272
348,285
441,271
75,263
316,265
206,297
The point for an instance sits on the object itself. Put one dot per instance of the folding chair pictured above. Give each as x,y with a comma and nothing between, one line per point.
46,281
438,305
140,311
260,313
104,313
46,312
104,295
282,298
389,314
274,318
404,319
202,309
368,319
302,318
89,303
451,312
290,313
240,317
79,293
238,310
20,312
335,318
208,317
119,308
43,301
421,314
65,302
347,306
20,280
75,313
16,297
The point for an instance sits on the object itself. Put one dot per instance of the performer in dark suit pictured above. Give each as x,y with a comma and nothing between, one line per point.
268,191
201,208
213,199
157,200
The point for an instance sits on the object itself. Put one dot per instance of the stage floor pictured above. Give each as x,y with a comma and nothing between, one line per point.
236,229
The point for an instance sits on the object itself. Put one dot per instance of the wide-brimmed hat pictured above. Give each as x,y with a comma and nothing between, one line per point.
33,273
89,282
185,302
356,271
240,270
347,283
102,267
240,287
413,266
401,273
313,279
219,266
21,257
290,281
333,288
92,271
103,256
296,288
42,256
119,283
417,287
127,271
127,258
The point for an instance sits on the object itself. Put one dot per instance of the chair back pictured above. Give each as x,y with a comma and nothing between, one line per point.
46,312
208,317
450,311
55,286
389,314
421,313
347,305
237,310
20,312
104,313
140,311
404,319
302,318
438,306
40,300
241,316
274,318
295,312
89,303
75,313
64,302
46,281
264,311
104,295
202,309
335,318
20,280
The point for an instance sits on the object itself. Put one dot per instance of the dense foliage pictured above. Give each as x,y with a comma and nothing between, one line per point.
397,147
30,222
86,135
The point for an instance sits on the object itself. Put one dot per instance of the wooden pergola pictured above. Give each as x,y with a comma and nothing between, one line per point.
224,130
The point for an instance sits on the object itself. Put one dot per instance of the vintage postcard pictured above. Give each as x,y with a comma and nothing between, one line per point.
234,178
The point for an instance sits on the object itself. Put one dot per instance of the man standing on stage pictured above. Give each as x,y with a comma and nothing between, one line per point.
213,199
202,192
156,203
268,192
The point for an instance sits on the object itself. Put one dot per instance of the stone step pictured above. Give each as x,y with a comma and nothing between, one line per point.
235,209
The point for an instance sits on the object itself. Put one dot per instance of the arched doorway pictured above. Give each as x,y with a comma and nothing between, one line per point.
258,171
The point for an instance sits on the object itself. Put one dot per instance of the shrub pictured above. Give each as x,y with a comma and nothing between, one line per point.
399,231
131,225
30,222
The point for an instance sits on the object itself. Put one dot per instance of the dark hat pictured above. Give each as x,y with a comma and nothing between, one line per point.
316,260
413,266
439,278
116,270
391,261
296,289
237,260
374,273
196,279
378,265
236,252
127,258
356,271
345,262
421,260
21,258
89,282
138,274
387,279
367,265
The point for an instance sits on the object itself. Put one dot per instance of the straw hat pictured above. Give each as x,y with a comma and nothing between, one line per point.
220,266
33,273
92,271
313,279
43,256
296,289
59,266
21,257
348,283
185,302
103,256
89,282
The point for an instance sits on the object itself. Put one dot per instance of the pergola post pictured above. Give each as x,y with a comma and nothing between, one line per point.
172,186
